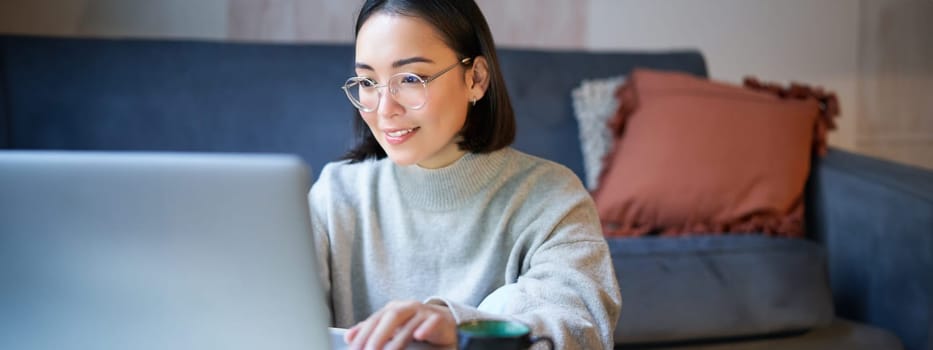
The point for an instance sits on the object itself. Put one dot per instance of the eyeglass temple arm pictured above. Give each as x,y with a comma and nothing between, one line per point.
438,74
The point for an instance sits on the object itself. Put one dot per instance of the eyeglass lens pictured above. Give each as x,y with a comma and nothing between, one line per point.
407,89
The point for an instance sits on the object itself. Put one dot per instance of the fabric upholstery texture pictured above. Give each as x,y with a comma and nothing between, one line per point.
875,219
179,96
594,103
841,334
5,127
696,156
718,287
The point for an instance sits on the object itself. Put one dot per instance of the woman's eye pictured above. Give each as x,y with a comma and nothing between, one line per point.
411,79
367,83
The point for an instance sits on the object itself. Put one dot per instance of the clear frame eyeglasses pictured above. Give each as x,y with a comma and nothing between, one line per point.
408,89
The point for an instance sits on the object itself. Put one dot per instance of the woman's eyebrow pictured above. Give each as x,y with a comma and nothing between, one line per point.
410,60
361,65
399,63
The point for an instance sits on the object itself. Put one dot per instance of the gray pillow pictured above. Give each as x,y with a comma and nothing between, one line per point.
594,103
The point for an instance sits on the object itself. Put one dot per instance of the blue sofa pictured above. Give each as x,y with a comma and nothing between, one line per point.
863,279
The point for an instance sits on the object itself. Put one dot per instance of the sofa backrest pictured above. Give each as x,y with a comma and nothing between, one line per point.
5,128
177,95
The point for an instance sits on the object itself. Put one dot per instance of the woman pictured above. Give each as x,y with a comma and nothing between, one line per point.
432,219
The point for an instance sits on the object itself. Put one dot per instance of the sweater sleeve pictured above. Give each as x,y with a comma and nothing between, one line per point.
566,287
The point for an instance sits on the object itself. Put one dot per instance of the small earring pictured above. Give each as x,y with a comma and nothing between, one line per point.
473,101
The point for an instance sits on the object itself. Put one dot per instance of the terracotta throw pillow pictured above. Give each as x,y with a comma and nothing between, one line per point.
693,156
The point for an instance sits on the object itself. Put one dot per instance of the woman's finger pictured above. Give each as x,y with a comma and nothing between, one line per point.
363,330
394,317
439,328
351,333
404,334
426,328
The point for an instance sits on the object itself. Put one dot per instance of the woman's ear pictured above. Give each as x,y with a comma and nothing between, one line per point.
478,79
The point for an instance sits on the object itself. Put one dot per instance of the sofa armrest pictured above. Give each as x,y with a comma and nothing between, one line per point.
876,220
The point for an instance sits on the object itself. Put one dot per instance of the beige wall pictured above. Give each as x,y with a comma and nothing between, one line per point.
876,54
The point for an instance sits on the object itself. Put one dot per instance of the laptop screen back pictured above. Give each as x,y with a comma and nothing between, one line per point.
157,251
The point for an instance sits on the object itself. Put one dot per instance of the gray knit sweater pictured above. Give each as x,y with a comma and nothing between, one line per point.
502,235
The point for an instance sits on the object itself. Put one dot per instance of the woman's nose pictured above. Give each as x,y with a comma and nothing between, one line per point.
387,106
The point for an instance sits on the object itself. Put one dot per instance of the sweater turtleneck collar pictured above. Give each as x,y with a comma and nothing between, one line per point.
451,186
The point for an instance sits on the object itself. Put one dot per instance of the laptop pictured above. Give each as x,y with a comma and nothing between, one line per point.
129,250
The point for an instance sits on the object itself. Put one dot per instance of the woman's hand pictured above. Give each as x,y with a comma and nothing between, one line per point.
396,324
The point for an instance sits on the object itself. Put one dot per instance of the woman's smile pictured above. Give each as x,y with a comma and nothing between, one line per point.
399,136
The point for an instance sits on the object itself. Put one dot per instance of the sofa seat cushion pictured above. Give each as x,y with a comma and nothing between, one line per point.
840,335
718,286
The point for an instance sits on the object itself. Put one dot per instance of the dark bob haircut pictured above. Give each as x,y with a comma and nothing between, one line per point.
490,124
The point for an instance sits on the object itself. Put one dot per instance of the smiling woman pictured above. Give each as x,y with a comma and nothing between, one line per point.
432,220
423,39
426,135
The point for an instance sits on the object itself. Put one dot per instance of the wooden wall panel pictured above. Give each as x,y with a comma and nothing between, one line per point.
41,17
326,21
517,23
262,20
895,101
537,23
